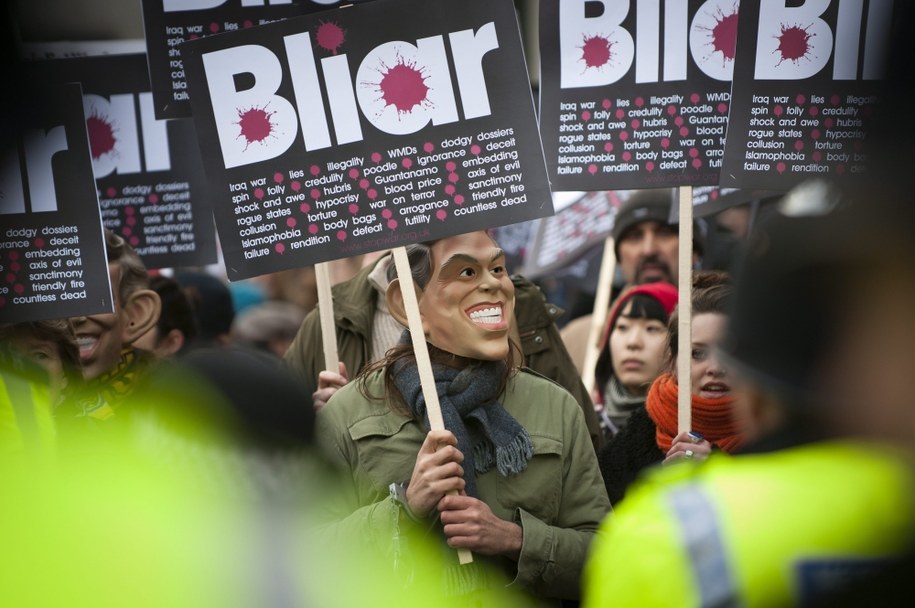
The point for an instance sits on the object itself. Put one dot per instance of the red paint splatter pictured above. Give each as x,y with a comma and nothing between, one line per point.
280,248
259,193
296,186
314,170
694,153
341,235
255,125
131,221
39,243
459,199
10,277
798,145
627,156
793,43
586,116
278,177
304,207
19,288
407,162
620,114
315,193
453,177
801,100
608,147
697,163
353,173
330,36
364,184
386,214
694,98
313,229
624,135
372,193
441,214
724,35
449,189
665,143
353,208
153,198
135,241
649,166
639,101
403,86
450,165
596,51
592,169
376,157
14,255
671,109
474,149
392,224
111,192
636,123
684,131
606,103
428,147
101,136
780,167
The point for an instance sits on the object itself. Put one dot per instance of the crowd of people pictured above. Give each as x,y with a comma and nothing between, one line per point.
188,450
794,484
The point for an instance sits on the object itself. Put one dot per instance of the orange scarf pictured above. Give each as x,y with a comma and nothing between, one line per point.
711,417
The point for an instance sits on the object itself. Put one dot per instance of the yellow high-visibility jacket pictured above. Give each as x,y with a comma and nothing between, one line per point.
770,529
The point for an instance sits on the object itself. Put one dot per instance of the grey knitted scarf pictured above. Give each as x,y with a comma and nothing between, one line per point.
487,434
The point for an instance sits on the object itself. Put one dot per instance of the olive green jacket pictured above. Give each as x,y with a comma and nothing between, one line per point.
558,500
354,313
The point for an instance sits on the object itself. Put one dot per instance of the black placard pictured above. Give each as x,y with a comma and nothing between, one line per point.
52,254
635,94
169,23
151,186
804,90
417,124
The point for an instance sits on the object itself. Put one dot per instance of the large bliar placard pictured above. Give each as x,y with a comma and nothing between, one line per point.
804,90
635,94
151,185
52,255
365,128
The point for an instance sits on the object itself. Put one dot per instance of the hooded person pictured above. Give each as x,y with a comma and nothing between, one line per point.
514,479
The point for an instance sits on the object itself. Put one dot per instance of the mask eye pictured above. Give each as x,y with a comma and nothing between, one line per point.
467,272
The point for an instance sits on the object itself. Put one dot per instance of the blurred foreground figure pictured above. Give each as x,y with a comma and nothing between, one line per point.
822,345
204,498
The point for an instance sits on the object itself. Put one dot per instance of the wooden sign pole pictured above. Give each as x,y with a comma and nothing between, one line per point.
599,315
326,313
684,311
424,365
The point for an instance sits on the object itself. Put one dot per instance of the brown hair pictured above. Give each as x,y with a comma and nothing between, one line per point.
60,333
711,293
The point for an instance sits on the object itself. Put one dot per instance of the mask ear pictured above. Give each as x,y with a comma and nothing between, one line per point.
142,311
393,297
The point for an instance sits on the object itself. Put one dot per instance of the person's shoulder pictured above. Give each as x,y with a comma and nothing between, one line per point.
532,387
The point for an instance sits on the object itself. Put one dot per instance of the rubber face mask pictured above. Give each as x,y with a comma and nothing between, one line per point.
467,306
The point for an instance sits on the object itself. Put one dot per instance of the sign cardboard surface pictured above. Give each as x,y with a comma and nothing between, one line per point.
151,186
416,122
52,252
169,23
804,91
635,94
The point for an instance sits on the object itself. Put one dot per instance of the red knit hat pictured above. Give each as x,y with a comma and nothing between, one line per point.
664,293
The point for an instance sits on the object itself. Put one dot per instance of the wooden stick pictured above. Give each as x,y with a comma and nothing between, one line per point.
424,365
326,313
599,315
684,311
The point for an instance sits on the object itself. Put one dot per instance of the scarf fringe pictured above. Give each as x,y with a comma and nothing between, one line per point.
512,458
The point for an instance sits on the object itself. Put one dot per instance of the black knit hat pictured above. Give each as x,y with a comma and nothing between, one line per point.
648,205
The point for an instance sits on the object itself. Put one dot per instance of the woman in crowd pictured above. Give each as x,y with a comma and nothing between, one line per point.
632,351
651,435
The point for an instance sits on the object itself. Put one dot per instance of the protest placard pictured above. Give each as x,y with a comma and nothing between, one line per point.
416,123
635,94
151,187
52,253
804,91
